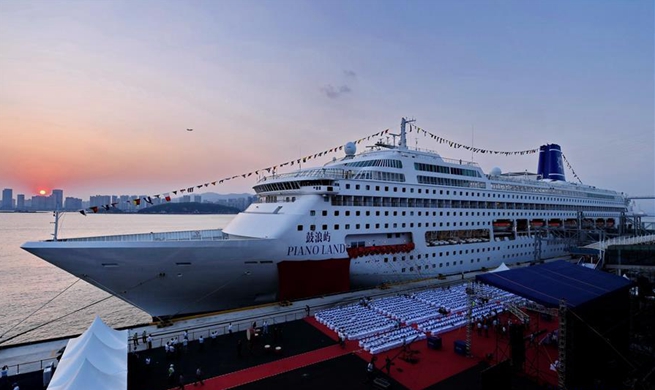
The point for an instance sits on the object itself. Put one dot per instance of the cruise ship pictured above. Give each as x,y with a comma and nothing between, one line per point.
391,213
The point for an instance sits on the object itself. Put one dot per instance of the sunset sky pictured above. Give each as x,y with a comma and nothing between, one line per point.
96,96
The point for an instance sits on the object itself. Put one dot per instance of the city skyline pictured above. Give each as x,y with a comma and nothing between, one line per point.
97,97
57,200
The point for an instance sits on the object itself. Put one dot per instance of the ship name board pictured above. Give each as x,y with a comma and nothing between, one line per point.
305,250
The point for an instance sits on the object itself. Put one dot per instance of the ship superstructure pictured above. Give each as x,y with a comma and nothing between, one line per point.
391,213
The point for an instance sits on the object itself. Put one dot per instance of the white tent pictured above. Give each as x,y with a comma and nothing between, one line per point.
97,359
501,267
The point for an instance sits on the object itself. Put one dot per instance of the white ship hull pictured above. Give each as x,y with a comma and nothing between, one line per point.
386,215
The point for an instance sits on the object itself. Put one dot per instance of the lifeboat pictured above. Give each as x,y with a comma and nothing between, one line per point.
554,224
502,225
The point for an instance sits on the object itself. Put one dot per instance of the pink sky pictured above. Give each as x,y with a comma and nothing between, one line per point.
96,97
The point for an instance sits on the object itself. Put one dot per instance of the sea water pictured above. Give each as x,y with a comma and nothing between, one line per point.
27,282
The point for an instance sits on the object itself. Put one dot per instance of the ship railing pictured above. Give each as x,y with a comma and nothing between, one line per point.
327,173
190,235
531,179
459,161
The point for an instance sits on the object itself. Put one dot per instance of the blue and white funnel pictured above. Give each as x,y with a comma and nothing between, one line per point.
550,162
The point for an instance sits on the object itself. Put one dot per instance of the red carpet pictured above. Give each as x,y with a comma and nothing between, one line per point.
263,371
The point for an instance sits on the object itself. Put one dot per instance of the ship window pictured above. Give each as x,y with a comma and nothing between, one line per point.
325,227
347,213
368,187
377,213
368,213
377,225
403,270
336,213
336,227
386,188
377,188
312,227
357,213
300,228
357,186
312,213
324,213
368,226
386,259
347,186
394,259
356,226
347,226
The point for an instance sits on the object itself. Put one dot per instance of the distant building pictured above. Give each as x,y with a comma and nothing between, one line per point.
72,204
39,202
124,203
57,199
240,203
197,198
20,202
184,199
7,199
99,200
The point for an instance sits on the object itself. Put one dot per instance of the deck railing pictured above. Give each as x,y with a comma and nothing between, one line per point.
191,235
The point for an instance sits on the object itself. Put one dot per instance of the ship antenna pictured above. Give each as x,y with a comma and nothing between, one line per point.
403,135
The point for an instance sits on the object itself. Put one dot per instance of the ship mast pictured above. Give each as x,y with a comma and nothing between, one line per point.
56,215
403,134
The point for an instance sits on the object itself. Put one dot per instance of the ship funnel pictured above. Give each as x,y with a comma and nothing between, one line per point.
550,162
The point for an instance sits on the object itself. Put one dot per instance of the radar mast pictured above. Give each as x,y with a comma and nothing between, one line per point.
403,135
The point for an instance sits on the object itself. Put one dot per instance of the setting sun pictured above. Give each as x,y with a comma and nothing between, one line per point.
42,192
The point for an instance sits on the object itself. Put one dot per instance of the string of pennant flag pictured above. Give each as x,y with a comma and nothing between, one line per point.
571,168
480,150
456,145
167,195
